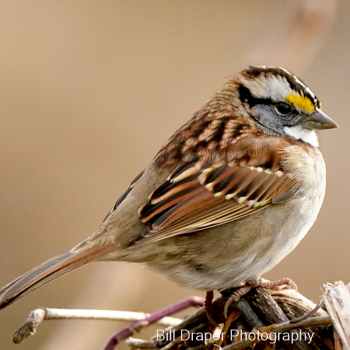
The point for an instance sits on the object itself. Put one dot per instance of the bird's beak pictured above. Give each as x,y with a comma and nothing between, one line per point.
318,121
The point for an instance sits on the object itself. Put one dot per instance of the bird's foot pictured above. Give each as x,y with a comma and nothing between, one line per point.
208,305
284,283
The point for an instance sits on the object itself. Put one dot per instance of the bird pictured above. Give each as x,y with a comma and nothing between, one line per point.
228,196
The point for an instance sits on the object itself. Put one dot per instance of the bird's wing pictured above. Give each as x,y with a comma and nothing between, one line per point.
198,196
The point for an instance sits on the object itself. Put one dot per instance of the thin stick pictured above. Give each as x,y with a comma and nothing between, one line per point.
311,313
154,317
140,343
37,316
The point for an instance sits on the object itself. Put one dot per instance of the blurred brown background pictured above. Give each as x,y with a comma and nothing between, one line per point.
89,91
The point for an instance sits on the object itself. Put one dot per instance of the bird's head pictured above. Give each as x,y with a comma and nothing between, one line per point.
282,104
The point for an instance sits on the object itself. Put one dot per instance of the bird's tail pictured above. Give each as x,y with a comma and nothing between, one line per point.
48,271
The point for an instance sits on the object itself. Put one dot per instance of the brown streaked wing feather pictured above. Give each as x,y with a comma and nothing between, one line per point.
195,197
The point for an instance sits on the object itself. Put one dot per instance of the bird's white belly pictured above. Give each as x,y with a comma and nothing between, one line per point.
263,253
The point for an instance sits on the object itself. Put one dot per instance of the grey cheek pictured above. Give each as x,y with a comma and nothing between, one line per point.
268,117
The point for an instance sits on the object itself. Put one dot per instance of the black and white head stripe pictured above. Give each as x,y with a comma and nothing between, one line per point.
276,84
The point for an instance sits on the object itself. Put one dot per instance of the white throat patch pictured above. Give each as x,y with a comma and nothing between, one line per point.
300,133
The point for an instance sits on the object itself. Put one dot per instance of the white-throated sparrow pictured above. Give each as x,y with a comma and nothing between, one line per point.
231,193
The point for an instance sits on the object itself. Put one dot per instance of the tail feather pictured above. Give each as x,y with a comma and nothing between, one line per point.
48,271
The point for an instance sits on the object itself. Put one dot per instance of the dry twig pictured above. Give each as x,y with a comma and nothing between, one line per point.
260,317
36,317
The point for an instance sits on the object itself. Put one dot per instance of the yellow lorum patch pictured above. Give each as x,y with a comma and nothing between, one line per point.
301,102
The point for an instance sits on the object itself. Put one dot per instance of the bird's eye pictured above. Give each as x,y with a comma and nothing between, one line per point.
283,108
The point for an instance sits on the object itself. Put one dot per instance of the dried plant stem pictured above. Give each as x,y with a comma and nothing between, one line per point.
36,317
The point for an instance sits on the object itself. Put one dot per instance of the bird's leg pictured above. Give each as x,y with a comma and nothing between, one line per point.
283,283
208,305
137,325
